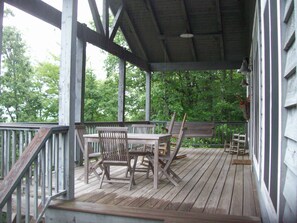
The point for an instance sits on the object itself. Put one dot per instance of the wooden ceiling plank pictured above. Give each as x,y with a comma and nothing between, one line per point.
96,16
157,26
53,16
116,23
184,66
189,29
220,29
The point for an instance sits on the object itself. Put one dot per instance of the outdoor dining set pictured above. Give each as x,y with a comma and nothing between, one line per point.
137,150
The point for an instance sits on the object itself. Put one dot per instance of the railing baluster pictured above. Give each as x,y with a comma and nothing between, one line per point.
21,142
49,168
1,218
56,148
19,203
2,173
6,156
13,148
43,177
61,164
9,210
27,198
36,188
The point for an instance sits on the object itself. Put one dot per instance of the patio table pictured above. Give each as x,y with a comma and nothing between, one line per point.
133,138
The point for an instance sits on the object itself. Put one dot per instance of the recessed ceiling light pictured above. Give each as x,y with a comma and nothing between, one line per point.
186,35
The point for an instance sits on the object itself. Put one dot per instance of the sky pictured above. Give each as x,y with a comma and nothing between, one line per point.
43,39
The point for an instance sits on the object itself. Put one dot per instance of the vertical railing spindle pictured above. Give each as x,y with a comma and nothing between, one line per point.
36,188
19,203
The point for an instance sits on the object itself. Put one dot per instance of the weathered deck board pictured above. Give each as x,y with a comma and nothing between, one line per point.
210,184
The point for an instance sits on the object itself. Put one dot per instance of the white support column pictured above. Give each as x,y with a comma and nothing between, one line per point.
148,96
80,80
122,89
67,87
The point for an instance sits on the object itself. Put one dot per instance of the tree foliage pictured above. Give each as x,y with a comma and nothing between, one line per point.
19,94
31,93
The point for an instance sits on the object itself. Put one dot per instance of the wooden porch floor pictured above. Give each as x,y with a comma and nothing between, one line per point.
210,184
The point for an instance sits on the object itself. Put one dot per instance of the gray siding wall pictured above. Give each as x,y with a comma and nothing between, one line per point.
288,204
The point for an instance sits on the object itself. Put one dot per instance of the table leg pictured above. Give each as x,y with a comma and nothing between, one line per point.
156,165
86,164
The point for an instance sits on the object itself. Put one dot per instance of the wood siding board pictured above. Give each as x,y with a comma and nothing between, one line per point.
291,94
291,156
289,8
289,216
290,71
290,191
290,129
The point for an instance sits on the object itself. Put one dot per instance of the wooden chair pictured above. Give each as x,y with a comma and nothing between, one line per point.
114,148
165,164
141,150
94,158
163,147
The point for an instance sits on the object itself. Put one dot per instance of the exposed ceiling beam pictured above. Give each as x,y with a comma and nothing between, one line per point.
188,29
153,15
116,23
136,36
220,29
183,66
106,17
96,16
53,16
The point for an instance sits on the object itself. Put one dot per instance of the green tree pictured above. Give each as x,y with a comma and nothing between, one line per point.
19,94
47,79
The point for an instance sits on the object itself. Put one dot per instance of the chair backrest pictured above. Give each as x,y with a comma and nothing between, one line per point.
171,124
80,130
113,143
143,128
178,143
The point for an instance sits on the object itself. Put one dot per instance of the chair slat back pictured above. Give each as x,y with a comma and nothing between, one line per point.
143,128
171,124
113,142
80,130
179,139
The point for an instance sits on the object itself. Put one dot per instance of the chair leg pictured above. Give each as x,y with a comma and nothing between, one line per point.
101,180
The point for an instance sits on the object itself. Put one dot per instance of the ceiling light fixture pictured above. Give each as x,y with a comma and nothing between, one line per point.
186,35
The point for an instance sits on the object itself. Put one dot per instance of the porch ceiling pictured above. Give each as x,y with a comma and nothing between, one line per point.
221,29
152,28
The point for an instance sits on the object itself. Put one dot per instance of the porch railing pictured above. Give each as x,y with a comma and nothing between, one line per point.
36,177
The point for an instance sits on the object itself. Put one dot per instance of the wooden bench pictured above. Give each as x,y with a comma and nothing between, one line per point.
194,129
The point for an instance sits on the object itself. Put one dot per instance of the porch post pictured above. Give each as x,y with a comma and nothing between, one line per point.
148,96
122,88
80,80
67,88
